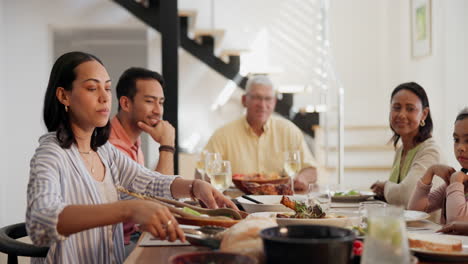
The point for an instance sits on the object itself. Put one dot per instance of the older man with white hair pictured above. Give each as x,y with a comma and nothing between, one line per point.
256,142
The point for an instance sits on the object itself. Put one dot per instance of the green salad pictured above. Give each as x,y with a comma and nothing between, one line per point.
348,193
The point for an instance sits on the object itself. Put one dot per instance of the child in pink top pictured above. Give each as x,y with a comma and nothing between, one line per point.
451,196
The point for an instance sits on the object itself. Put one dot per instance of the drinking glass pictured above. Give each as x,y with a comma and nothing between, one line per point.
319,194
200,165
386,241
211,162
292,165
222,176
364,208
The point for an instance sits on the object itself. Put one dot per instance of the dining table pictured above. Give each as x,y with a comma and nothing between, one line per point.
161,254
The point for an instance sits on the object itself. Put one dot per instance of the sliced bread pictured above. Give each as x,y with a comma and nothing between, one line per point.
434,242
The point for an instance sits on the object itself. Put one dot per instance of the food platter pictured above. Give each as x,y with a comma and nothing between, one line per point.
362,196
262,183
461,256
271,203
336,220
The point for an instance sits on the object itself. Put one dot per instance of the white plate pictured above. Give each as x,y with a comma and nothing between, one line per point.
461,256
411,216
339,222
271,203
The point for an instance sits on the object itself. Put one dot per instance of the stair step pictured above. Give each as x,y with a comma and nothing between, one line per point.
225,54
215,33
361,180
360,158
362,148
191,15
363,168
355,135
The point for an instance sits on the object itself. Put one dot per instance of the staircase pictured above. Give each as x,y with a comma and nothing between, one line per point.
200,43
367,156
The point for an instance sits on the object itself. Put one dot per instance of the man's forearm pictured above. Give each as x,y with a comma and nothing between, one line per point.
165,163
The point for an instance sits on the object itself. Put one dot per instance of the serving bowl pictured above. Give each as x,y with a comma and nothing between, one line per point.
211,257
247,182
314,243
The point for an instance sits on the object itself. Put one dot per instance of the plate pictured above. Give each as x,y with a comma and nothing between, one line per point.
339,222
271,203
444,256
411,216
353,198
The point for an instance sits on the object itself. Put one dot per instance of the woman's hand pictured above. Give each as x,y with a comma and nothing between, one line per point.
154,218
458,176
210,196
378,188
443,171
455,228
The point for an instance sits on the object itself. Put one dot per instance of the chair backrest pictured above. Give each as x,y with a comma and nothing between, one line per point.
14,248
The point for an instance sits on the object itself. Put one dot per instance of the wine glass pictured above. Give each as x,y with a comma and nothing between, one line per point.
292,165
211,162
222,176
200,165
319,194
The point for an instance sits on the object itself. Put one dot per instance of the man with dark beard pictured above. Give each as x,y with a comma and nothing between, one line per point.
141,107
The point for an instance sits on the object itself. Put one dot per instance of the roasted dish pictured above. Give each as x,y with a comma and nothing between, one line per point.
262,184
266,188
257,176
301,209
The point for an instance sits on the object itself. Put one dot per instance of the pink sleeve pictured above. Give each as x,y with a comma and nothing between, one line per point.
423,199
456,201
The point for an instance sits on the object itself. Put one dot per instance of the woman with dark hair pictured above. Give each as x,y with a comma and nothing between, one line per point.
451,197
73,205
410,121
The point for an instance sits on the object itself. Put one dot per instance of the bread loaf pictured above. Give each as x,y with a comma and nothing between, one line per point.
244,238
434,242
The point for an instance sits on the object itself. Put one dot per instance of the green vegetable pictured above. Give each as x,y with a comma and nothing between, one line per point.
353,192
349,193
191,211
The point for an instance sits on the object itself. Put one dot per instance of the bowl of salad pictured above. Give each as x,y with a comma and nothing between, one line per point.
351,196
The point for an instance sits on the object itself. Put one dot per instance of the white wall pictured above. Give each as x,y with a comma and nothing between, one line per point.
358,40
442,73
3,139
455,66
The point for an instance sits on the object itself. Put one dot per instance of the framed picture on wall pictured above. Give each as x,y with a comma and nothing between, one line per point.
421,28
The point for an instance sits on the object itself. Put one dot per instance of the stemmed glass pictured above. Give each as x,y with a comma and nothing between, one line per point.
292,165
319,194
222,176
211,163
201,164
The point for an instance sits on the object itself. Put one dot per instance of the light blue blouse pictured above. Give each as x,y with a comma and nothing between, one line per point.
58,177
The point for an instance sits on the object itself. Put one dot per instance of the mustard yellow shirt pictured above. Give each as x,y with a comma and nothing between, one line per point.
249,153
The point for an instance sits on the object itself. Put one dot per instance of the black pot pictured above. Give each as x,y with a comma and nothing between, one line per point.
308,244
